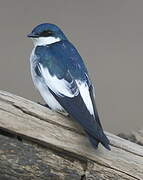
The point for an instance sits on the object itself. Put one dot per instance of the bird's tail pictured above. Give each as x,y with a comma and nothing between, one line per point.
93,141
90,124
105,142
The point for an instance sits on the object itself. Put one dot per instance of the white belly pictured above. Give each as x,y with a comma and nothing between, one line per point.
48,97
43,88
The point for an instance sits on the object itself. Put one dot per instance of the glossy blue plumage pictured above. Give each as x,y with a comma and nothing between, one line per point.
60,62
62,57
42,27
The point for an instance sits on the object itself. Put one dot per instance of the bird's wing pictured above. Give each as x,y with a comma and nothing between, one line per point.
64,72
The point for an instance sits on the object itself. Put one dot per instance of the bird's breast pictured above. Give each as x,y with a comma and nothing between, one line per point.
42,86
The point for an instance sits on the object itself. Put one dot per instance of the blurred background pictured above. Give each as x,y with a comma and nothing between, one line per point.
109,37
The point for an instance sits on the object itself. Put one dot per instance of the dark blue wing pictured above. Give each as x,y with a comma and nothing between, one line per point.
67,79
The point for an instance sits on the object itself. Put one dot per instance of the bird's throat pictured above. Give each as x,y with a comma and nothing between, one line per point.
42,41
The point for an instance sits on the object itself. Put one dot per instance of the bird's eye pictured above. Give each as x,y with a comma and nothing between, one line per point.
46,33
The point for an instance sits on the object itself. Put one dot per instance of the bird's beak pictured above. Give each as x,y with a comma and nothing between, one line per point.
31,35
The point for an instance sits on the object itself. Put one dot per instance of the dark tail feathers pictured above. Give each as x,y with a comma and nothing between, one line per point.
105,142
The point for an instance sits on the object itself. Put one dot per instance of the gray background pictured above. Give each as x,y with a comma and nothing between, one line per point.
109,37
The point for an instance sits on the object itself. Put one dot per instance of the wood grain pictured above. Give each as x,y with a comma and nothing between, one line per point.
58,133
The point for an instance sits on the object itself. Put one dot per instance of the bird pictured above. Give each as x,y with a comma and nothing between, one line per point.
60,75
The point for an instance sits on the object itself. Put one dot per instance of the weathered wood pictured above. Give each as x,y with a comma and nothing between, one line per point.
134,136
63,139
26,161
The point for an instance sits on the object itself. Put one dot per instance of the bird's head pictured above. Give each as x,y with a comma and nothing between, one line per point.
45,34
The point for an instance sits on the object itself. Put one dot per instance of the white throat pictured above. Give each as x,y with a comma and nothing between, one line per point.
41,41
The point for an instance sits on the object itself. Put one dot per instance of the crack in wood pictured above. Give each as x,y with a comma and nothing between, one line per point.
11,134
47,120
67,139
127,150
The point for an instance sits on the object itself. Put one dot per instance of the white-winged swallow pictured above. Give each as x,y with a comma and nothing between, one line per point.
62,79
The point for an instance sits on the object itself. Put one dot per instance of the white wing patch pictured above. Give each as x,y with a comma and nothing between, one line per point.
59,86
48,97
84,91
